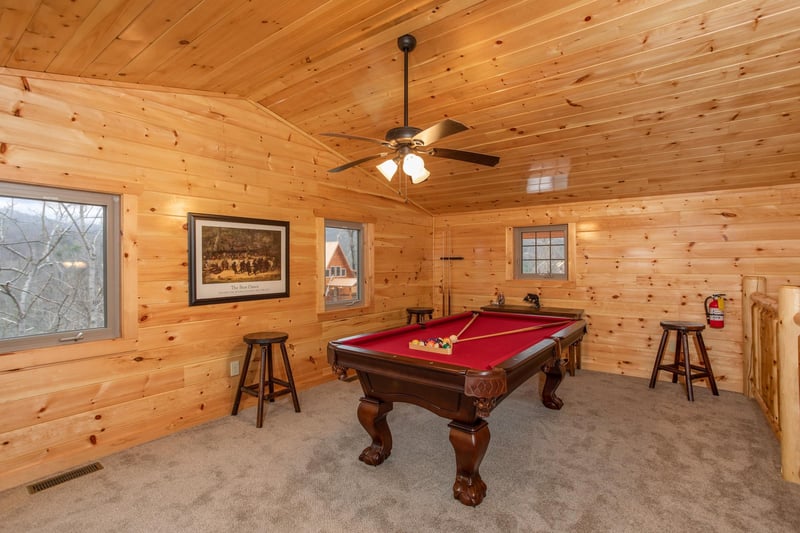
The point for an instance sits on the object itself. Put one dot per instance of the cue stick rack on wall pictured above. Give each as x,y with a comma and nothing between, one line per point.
447,258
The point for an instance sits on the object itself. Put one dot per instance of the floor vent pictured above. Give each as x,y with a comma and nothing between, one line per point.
61,478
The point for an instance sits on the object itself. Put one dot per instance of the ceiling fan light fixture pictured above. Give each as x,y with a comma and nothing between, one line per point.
419,178
388,169
414,167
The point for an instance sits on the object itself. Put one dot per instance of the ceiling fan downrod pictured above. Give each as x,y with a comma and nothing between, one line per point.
406,43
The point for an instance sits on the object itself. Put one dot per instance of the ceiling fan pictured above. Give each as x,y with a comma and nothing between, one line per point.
407,141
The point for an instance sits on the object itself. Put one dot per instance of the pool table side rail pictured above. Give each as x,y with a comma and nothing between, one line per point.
480,383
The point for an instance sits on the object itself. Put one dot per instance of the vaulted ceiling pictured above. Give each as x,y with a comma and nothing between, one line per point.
582,99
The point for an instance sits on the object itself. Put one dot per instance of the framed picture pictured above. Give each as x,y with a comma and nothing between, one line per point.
234,258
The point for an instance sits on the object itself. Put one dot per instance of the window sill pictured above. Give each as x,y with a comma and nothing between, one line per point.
557,283
59,354
337,314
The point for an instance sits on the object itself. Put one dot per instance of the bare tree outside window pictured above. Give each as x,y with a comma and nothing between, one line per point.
54,272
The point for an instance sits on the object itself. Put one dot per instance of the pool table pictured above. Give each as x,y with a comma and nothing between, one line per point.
492,355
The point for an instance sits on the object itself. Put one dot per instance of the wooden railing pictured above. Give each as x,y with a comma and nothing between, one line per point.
771,363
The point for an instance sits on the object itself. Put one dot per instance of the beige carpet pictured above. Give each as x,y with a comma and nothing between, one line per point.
618,457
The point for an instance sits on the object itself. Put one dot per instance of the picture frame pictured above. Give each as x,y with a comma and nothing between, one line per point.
235,259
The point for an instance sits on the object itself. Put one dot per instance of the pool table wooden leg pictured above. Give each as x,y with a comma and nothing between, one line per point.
470,442
372,415
555,374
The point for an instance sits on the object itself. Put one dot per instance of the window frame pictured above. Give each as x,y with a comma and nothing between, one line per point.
118,325
357,268
365,306
514,254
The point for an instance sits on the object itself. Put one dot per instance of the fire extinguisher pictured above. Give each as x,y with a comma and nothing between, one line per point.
715,310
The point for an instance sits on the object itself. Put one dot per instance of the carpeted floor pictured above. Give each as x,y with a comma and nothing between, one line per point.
618,457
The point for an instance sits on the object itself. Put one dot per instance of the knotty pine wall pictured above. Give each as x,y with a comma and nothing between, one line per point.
637,263
170,154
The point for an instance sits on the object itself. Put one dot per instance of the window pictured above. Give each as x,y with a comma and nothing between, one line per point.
59,266
540,252
344,264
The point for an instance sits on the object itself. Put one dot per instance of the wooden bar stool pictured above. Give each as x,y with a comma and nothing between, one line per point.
265,340
420,313
683,366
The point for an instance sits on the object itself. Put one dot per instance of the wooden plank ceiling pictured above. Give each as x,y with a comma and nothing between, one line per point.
583,99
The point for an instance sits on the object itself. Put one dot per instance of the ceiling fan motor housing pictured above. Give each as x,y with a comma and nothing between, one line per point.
402,134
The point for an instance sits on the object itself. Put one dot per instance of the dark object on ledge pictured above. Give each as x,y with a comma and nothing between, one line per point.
532,299
573,314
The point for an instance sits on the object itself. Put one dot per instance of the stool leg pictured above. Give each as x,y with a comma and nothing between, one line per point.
659,357
290,378
687,365
408,318
677,360
241,380
271,380
260,414
701,348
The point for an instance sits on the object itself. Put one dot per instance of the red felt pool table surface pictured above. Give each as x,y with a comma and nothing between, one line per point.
479,354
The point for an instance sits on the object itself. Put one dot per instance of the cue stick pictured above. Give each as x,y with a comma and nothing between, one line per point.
448,247
474,316
447,269
445,310
499,333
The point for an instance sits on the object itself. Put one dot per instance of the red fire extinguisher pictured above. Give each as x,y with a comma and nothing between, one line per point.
715,310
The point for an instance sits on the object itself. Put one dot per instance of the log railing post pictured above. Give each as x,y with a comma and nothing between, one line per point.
789,375
750,285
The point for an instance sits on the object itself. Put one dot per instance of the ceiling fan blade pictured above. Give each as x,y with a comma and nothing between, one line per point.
357,162
471,157
439,131
356,137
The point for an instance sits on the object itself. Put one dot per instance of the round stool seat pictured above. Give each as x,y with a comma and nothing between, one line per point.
681,325
265,337
419,312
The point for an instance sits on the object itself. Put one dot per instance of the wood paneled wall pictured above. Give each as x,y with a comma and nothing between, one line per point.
637,263
171,154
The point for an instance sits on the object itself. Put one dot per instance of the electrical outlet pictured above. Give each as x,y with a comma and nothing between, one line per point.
234,368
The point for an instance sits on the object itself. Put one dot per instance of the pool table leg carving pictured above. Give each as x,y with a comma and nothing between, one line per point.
554,373
470,442
372,415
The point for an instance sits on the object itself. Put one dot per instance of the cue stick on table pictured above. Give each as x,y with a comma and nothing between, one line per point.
474,316
499,333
